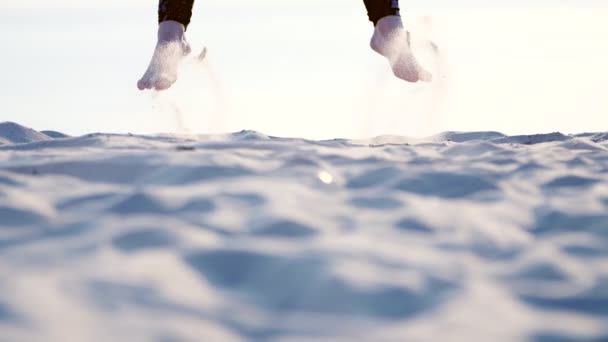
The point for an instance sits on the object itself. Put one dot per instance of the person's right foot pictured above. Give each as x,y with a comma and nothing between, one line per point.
392,41
170,49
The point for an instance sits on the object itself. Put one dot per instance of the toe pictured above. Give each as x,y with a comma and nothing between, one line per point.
425,76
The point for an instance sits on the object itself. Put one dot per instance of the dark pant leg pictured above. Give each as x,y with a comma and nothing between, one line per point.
176,10
378,9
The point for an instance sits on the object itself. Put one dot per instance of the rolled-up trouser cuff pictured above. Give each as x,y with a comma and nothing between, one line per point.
176,10
378,9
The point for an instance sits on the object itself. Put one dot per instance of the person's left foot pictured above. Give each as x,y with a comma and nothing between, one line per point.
392,41
169,52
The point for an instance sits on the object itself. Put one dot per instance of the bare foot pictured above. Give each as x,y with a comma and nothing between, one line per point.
170,49
392,41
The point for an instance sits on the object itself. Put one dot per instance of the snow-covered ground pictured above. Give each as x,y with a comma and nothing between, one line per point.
245,237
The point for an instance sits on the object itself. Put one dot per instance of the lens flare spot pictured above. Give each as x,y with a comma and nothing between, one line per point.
325,177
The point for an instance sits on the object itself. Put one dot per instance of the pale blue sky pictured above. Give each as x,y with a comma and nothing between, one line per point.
305,69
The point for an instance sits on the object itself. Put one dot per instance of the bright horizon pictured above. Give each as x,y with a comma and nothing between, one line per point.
280,69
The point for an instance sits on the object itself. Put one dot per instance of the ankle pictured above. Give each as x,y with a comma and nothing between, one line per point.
169,31
388,26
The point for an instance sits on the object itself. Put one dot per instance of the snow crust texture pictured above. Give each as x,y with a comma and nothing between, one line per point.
463,236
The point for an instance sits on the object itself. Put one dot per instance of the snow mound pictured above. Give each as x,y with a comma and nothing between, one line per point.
55,134
466,136
11,132
596,137
484,136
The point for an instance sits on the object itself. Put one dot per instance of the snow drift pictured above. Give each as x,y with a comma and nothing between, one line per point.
463,236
